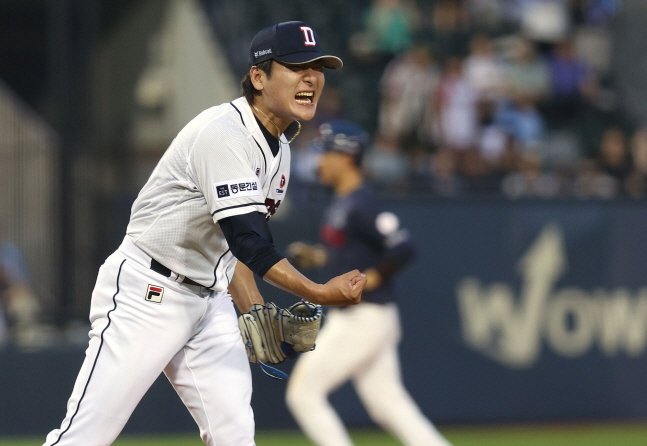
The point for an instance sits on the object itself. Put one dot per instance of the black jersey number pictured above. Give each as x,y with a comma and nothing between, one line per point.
271,206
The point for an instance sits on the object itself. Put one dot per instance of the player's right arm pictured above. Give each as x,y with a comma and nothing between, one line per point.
250,240
241,216
341,290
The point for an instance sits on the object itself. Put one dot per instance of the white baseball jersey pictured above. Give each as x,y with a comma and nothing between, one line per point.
219,165
143,322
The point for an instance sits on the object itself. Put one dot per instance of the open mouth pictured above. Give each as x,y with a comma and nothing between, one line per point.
305,97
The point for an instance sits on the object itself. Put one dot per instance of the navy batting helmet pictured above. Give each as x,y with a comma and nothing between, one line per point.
344,137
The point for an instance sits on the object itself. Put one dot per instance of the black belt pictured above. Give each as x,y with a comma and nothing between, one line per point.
159,268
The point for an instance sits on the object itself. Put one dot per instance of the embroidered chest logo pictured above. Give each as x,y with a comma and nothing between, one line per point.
280,189
154,293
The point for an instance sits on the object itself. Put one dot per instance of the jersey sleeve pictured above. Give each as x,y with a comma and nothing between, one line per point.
222,165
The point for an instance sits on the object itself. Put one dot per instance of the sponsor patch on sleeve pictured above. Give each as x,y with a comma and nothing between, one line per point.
246,187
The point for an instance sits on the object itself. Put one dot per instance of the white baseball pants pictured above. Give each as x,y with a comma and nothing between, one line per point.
360,344
191,335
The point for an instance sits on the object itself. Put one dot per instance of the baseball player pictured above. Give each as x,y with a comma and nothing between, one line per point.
164,301
357,343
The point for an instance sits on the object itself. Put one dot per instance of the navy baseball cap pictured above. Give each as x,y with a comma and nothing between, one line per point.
344,137
290,43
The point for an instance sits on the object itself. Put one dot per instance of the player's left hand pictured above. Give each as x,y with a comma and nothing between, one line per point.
272,334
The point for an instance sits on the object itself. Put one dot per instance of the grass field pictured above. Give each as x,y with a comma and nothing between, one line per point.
620,434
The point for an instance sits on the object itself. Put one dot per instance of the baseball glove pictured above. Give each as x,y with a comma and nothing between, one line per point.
272,334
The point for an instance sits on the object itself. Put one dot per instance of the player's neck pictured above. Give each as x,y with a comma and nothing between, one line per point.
274,129
349,183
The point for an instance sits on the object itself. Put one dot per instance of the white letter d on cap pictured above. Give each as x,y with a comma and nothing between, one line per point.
309,36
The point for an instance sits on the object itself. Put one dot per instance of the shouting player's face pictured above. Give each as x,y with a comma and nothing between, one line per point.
291,92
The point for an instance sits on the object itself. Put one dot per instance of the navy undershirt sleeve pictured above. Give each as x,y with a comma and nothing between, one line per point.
250,240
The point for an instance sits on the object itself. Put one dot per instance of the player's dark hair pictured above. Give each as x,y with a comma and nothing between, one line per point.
246,85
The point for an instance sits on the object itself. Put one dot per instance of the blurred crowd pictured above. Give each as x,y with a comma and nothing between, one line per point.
20,308
512,97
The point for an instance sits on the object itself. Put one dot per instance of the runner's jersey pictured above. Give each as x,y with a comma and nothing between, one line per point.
218,166
358,231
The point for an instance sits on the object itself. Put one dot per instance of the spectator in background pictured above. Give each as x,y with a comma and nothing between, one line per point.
450,28
477,173
596,12
610,172
573,84
521,182
387,167
592,35
524,122
389,26
544,21
527,75
591,182
498,147
21,306
456,108
636,182
614,156
493,139
485,73
484,70
527,85
4,305
445,178
486,15
531,180
407,88
388,29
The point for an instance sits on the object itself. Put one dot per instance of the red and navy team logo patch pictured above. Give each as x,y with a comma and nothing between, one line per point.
154,293
280,190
